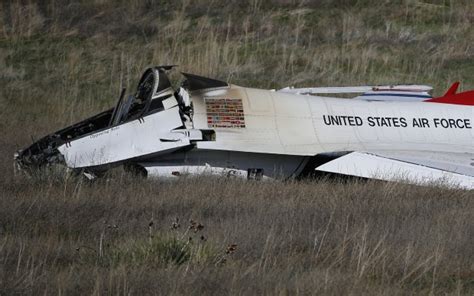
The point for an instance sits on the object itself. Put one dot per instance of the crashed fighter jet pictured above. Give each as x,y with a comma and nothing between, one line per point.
210,126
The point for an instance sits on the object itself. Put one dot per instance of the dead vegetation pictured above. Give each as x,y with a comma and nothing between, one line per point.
218,236
63,60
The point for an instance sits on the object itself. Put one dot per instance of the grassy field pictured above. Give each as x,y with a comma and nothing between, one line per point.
61,61
127,236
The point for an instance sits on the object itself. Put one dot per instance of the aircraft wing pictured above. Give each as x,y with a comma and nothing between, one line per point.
400,93
356,89
453,169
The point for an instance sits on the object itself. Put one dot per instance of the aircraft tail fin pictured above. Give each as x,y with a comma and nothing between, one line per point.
452,90
453,97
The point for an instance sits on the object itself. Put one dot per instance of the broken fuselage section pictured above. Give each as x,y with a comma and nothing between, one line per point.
153,133
206,126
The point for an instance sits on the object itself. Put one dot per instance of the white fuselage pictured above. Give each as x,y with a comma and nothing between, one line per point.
275,133
280,123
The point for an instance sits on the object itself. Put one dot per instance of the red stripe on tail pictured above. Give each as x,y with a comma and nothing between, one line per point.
451,97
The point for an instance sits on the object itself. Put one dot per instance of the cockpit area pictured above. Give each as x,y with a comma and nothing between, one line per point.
154,93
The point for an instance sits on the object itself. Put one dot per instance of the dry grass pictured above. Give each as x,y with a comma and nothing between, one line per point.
63,60
295,237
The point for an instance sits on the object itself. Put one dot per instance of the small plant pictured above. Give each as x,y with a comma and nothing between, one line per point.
173,248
